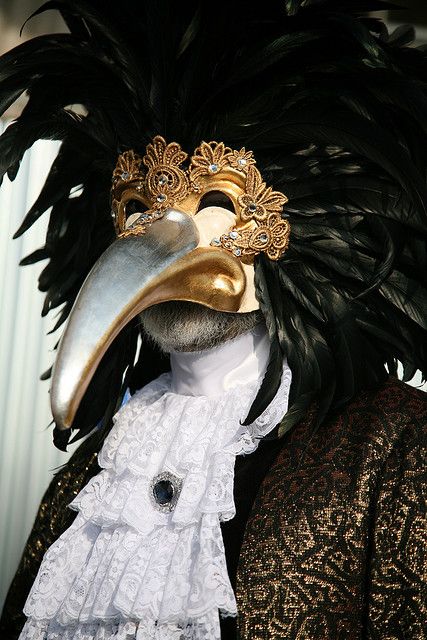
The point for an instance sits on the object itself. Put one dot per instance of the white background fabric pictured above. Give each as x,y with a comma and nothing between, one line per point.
27,455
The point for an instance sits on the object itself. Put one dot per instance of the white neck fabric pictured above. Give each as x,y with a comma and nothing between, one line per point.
214,371
127,569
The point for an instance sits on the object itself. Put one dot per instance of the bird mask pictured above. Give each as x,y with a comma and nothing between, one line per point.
186,230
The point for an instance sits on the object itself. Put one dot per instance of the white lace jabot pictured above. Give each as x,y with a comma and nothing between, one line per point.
131,568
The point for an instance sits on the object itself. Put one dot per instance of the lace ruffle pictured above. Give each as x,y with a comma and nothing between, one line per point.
120,630
123,559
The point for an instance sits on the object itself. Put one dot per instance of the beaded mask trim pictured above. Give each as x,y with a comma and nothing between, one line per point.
160,180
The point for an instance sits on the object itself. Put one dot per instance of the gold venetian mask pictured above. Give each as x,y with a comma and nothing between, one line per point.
213,169
173,243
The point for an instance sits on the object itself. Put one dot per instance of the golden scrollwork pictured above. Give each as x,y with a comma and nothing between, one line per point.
259,200
128,168
168,181
242,159
209,158
272,238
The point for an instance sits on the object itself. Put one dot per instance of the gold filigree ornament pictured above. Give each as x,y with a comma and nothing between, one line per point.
272,238
208,160
169,182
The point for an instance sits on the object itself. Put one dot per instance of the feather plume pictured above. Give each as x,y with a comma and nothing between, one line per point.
334,108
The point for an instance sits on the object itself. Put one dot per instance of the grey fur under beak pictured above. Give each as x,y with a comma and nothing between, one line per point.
132,274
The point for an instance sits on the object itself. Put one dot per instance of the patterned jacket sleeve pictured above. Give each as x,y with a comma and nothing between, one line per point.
336,544
397,604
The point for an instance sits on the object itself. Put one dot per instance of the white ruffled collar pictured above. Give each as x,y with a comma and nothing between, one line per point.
128,560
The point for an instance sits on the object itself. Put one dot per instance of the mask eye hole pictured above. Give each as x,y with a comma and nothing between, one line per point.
133,209
135,206
216,199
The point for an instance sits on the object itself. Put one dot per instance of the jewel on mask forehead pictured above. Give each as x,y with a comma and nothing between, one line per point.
213,168
233,235
242,162
163,180
161,197
125,175
263,237
252,207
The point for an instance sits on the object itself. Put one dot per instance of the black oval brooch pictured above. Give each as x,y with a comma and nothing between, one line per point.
164,491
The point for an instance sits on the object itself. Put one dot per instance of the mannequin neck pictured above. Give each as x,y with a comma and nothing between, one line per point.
214,371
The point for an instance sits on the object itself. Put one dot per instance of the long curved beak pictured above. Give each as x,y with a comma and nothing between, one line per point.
134,273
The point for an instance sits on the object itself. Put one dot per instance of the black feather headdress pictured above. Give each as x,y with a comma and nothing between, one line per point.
334,109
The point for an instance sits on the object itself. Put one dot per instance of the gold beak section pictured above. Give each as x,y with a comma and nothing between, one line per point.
132,274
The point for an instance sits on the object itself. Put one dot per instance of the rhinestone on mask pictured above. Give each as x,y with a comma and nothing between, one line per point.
252,207
161,197
163,180
125,175
233,235
213,168
144,217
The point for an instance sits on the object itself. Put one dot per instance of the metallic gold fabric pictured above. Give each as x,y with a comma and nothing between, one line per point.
336,543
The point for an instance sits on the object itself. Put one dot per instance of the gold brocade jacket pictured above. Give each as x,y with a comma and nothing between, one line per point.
335,546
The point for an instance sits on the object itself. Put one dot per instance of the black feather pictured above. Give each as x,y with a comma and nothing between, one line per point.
334,108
